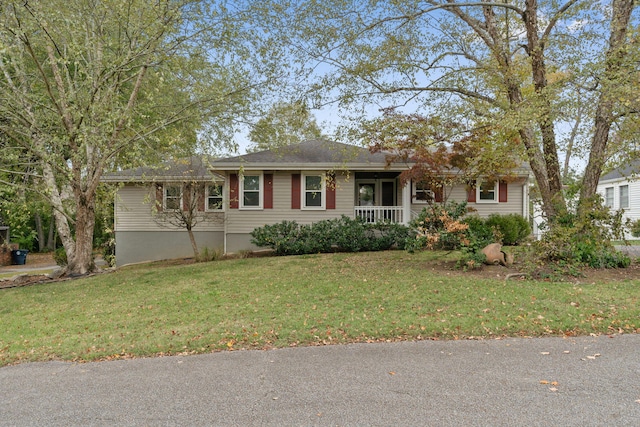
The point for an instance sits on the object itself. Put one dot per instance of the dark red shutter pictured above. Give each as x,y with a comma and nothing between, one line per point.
234,191
295,191
331,192
268,191
159,197
438,194
502,193
202,191
187,191
471,196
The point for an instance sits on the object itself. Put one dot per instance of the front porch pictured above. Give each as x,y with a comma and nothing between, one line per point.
379,197
381,213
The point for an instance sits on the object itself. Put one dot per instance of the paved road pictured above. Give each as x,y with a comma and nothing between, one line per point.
588,381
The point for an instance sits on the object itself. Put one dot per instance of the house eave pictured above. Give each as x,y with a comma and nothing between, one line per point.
117,179
231,167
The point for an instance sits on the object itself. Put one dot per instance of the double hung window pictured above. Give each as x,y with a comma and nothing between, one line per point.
487,192
213,198
313,191
172,197
251,187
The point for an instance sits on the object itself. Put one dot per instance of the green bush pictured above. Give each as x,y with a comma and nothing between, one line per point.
439,226
635,228
109,248
480,234
339,234
575,240
60,257
513,228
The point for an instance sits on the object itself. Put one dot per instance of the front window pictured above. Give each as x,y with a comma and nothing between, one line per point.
251,192
624,196
214,197
313,190
172,197
608,197
422,193
487,192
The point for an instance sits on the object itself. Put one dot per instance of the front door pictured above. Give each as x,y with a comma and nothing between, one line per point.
388,191
366,194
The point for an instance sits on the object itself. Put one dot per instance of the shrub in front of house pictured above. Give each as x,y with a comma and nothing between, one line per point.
576,240
339,234
439,226
635,228
513,228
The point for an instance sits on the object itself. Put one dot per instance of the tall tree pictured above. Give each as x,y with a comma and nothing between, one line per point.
505,64
89,85
284,124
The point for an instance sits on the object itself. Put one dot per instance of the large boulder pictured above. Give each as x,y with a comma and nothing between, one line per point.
495,255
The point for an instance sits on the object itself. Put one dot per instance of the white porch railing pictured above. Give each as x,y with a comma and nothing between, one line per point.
379,213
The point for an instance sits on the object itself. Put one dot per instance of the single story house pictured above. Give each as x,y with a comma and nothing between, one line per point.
305,182
620,190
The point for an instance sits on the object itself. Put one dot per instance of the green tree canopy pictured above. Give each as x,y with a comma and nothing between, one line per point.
87,86
513,66
284,124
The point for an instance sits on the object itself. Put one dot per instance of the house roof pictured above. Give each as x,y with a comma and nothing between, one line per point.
308,155
191,168
629,171
312,155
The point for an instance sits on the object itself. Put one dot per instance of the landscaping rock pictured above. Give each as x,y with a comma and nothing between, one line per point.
495,255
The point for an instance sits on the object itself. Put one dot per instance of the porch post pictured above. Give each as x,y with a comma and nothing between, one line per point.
406,203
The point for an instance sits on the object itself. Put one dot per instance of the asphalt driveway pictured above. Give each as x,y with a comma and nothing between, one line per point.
587,381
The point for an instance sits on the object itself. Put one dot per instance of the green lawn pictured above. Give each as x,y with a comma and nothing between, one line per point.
147,310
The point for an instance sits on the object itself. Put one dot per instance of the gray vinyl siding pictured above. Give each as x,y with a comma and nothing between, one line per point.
134,212
243,221
513,204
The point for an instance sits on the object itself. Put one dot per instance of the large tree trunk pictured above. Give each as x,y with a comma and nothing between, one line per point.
51,238
79,250
81,262
553,201
40,232
604,111
543,158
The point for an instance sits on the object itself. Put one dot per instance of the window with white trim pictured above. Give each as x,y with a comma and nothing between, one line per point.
251,187
313,191
608,197
422,193
624,197
213,198
486,192
172,197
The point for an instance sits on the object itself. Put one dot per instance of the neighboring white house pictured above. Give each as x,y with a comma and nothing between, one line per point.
620,190
307,182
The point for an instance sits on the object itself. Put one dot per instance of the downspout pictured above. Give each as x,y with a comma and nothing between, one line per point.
225,217
525,199
406,203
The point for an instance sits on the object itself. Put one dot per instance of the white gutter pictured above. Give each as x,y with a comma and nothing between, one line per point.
406,203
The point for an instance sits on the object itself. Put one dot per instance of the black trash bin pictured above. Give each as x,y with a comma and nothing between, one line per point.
19,256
